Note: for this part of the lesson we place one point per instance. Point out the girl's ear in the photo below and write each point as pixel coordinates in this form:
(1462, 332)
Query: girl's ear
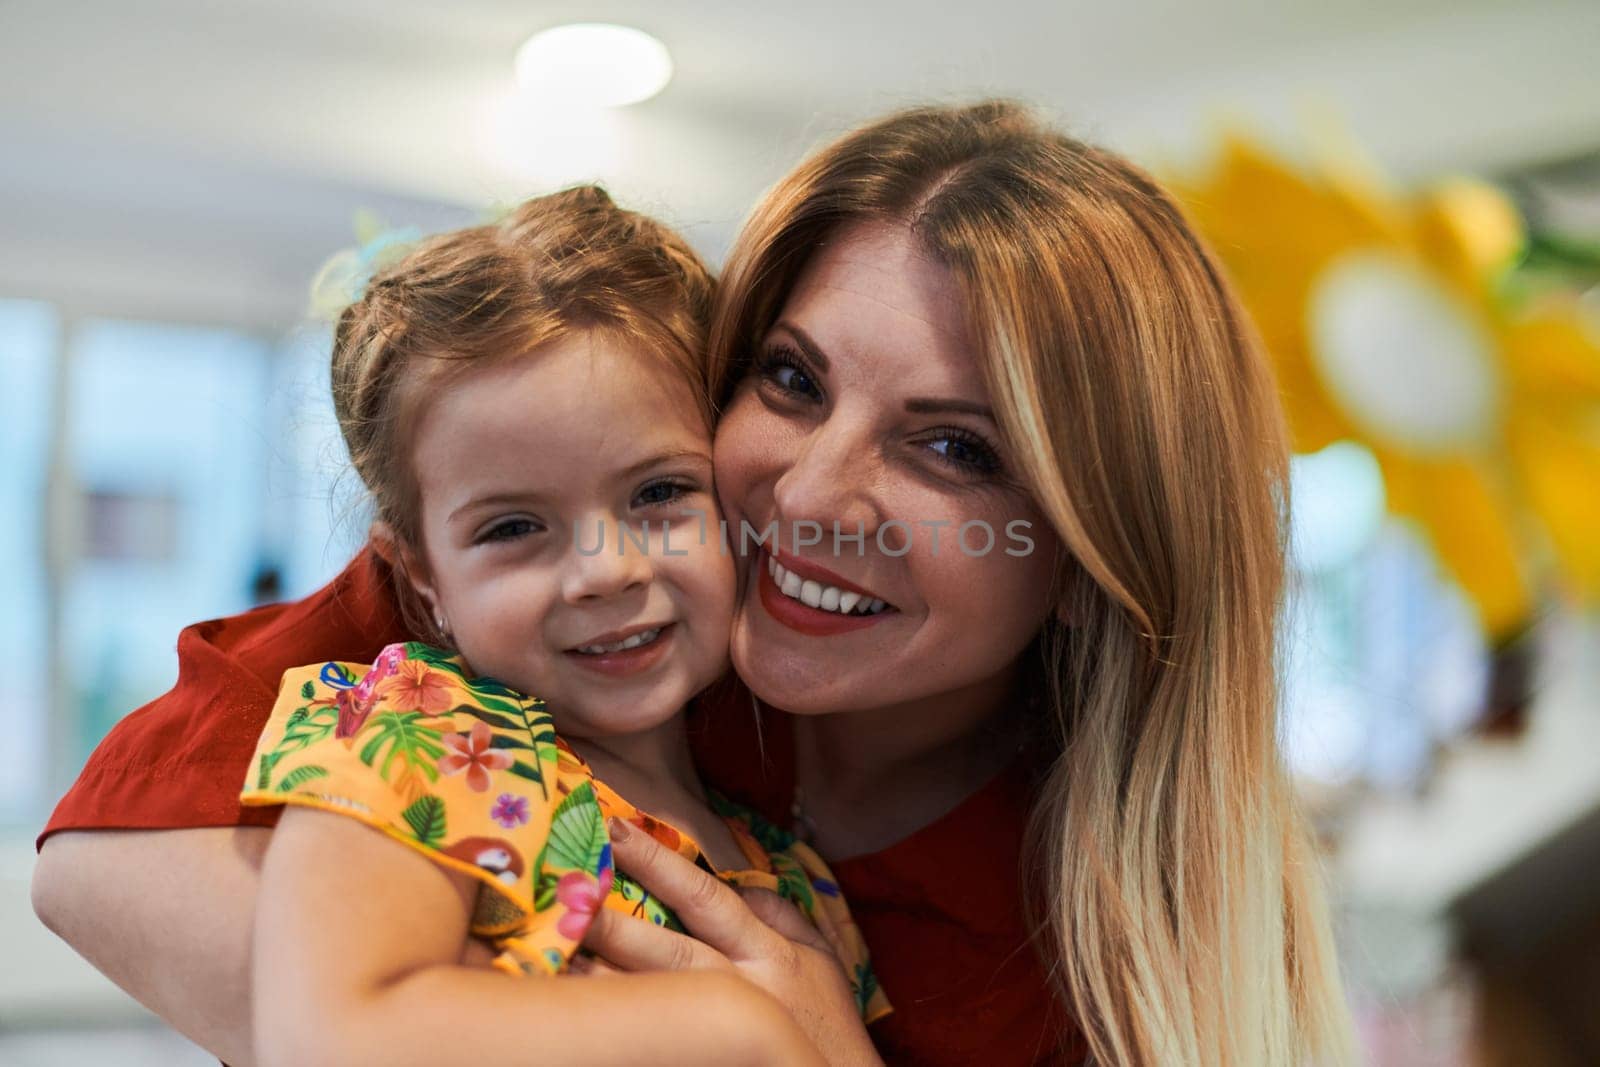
(410, 568)
(381, 537)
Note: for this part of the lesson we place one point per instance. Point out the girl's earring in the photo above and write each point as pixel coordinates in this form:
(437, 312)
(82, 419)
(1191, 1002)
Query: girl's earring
(442, 626)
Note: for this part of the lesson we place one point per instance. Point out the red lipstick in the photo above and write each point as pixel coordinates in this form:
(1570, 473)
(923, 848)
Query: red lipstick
(808, 620)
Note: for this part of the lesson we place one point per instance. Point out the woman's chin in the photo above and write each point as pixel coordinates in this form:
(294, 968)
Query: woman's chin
(795, 679)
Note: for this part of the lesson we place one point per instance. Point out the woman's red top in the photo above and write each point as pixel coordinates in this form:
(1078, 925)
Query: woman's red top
(941, 910)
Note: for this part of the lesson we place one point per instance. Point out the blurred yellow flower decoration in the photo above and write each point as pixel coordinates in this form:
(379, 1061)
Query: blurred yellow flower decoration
(1382, 317)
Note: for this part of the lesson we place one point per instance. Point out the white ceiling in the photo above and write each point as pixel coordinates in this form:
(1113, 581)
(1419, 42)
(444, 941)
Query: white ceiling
(194, 152)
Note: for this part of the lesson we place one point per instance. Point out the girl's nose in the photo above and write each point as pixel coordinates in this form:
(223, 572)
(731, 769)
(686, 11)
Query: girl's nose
(608, 558)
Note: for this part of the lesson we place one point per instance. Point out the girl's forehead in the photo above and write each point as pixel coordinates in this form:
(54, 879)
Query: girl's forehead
(573, 409)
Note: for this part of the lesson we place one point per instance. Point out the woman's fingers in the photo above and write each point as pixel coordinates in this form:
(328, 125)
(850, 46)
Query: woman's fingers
(783, 917)
(712, 911)
(627, 944)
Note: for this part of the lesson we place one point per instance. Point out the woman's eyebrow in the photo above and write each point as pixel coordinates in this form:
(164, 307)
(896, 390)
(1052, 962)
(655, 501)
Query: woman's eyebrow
(935, 406)
(807, 345)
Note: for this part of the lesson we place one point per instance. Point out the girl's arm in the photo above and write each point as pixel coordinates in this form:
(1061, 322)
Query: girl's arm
(355, 960)
(168, 916)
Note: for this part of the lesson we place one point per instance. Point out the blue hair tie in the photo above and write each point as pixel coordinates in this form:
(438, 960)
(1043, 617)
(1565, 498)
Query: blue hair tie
(343, 279)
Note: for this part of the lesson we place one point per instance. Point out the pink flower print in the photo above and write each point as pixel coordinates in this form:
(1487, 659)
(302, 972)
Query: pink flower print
(473, 753)
(415, 687)
(582, 895)
(510, 810)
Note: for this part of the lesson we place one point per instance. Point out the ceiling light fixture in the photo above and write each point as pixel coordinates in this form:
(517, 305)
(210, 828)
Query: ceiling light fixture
(593, 64)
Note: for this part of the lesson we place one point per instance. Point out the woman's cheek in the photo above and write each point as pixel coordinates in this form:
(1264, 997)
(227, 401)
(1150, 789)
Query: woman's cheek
(975, 577)
(742, 450)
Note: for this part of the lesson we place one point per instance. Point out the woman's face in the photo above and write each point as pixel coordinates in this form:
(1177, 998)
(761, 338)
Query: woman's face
(865, 412)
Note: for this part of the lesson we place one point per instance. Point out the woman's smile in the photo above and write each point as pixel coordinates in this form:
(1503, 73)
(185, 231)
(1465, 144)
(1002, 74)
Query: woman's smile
(806, 597)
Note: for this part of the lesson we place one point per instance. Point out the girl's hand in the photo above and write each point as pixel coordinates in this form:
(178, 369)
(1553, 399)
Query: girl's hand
(754, 933)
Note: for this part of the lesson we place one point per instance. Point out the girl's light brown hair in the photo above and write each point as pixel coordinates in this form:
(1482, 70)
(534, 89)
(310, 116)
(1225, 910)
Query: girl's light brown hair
(560, 264)
(1181, 899)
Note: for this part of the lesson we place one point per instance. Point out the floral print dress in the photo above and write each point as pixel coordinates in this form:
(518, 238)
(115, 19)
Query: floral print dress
(471, 774)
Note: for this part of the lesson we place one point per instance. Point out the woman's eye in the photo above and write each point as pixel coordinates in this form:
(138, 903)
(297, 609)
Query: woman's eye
(510, 530)
(658, 493)
(784, 370)
(794, 380)
(965, 451)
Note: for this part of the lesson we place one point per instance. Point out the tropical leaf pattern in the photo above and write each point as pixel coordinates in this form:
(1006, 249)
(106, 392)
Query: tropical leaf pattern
(472, 774)
(300, 775)
(578, 831)
(426, 819)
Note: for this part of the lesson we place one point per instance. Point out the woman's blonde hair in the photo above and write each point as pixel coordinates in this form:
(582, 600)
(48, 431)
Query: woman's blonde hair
(559, 264)
(1181, 893)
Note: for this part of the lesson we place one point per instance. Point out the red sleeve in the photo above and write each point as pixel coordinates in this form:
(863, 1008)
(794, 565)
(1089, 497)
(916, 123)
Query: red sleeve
(180, 760)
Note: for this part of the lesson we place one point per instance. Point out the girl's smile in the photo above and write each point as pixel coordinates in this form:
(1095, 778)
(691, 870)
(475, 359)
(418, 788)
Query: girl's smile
(632, 654)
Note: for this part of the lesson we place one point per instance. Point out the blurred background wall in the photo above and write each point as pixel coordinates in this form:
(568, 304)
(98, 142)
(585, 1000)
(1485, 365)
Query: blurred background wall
(172, 174)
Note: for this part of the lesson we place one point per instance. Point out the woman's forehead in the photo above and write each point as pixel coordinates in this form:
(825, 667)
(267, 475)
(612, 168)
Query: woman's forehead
(873, 299)
(884, 261)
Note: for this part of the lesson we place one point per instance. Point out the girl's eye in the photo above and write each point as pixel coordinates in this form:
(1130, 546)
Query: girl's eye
(783, 367)
(658, 493)
(509, 530)
(965, 451)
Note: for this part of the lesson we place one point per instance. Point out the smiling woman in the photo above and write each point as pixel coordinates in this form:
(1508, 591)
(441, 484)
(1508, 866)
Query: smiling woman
(971, 257)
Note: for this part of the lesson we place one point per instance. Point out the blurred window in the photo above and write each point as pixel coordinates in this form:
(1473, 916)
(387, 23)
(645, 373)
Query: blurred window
(154, 474)
(29, 337)
(166, 439)
(1383, 661)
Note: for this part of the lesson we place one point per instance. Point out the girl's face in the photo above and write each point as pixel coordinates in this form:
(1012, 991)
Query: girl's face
(866, 408)
(579, 440)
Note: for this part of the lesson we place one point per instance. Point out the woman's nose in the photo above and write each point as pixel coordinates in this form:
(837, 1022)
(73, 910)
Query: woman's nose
(828, 480)
(608, 558)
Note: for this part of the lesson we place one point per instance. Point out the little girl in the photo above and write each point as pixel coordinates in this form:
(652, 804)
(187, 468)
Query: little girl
(527, 403)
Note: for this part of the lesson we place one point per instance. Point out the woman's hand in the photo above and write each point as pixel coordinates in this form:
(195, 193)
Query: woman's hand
(754, 933)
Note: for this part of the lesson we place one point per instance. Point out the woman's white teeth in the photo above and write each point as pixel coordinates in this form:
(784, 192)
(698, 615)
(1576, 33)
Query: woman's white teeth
(641, 638)
(790, 584)
(824, 597)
